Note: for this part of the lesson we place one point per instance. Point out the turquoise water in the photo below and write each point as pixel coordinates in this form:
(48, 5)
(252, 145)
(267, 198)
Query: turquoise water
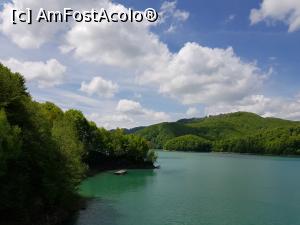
(197, 189)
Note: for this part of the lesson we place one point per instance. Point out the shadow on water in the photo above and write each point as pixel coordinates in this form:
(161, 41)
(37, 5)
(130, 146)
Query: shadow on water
(104, 191)
(98, 212)
(109, 185)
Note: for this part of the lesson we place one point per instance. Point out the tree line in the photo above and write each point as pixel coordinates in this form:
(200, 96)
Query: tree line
(240, 132)
(277, 141)
(190, 143)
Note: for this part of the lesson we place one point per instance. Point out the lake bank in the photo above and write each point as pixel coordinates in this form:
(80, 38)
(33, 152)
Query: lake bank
(237, 153)
(108, 166)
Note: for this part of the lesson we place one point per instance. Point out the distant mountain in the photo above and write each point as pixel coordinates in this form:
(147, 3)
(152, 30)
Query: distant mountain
(132, 130)
(212, 128)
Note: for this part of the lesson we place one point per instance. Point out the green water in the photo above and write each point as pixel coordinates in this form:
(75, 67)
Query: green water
(198, 189)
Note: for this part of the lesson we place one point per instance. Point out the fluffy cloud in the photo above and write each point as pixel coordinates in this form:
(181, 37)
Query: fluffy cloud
(112, 121)
(130, 45)
(171, 29)
(34, 35)
(172, 16)
(117, 44)
(198, 74)
(127, 45)
(129, 107)
(192, 111)
(287, 11)
(169, 10)
(46, 74)
(100, 87)
(262, 105)
(24, 35)
(129, 114)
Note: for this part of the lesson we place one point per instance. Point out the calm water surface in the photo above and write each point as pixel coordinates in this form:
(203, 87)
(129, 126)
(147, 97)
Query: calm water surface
(197, 189)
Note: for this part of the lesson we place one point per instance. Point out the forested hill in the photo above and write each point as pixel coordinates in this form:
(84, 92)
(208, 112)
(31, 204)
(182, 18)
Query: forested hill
(225, 130)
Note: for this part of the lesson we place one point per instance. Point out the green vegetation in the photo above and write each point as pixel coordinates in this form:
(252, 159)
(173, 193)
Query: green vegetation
(279, 141)
(45, 153)
(158, 134)
(234, 132)
(188, 143)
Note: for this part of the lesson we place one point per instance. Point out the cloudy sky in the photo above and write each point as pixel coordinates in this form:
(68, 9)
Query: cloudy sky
(202, 57)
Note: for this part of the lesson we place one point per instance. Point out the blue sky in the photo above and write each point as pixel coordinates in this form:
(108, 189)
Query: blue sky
(202, 57)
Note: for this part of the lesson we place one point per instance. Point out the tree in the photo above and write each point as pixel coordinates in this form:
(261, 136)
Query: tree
(188, 143)
(44, 154)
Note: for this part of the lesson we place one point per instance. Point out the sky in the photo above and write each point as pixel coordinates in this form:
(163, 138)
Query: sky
(200, 58)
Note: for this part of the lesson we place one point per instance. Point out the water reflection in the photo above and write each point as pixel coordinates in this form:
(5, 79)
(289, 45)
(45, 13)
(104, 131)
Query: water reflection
(99, 212)
(105, 189)
(109, 185)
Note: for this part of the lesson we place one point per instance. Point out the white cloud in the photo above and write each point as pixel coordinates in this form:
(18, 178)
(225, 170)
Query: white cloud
(130, 107)
(125, 45)
(169, 10)
(24, 35)
(130, 45)
(100, 87)
(168, 7)
(171, 29)
(46, 74)
(68, 99)
(192, 111)
(270, 11)
(230, 18)
(181, 15)
(198, 74)
(262, 105)
(172, 16)
(129, 114)
(38, 33)
(112, 121)
(195, 74)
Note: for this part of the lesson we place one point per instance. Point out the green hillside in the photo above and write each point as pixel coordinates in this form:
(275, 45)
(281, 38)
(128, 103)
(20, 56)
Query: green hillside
(214, 128)
(188, 143)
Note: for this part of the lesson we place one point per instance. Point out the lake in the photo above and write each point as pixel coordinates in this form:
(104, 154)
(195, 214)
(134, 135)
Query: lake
(197, 189)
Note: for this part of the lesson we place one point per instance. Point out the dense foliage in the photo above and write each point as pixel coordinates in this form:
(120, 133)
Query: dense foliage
(158, 134)
(234, 132)
(188, 143)
(280, 141)
(45, 153)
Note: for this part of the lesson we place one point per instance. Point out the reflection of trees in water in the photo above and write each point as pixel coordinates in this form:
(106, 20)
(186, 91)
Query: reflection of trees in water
(100, 210)
(109, 185)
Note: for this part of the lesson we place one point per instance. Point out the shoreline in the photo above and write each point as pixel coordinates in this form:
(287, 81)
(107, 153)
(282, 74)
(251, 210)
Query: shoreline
(235, 153)
(109, 167)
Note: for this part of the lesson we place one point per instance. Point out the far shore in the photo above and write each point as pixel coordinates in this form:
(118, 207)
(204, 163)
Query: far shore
(233, 153)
